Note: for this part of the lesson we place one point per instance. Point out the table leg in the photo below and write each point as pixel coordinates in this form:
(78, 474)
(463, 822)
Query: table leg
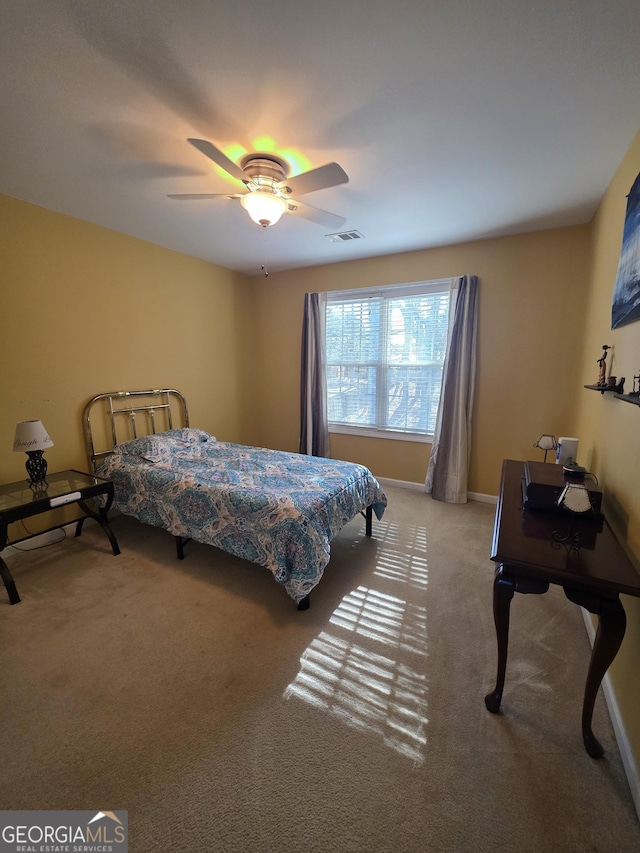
(503, 590)
(8, 581)
(612, 623)
(102, 521)
(504, 587)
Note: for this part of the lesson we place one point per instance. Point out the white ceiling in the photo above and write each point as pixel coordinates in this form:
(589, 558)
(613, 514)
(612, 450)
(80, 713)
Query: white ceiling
(455, 120)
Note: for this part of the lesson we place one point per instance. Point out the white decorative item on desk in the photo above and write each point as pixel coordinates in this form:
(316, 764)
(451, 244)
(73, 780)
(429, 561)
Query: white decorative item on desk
(567, 449)
(575, 498)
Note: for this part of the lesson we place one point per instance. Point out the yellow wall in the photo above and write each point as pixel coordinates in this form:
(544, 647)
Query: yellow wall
(532, 303)
(86, 310)
(609, 430)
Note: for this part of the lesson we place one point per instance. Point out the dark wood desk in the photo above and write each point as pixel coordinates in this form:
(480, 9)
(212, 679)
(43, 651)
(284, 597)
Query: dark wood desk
(593, 576)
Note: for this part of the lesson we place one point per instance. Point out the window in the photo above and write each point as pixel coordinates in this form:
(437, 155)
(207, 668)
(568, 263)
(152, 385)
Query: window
(385, 352)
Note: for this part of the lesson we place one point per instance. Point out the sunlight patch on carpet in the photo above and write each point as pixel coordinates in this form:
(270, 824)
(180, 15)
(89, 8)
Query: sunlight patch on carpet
(378, 691)
(384, 618)
(403, 556)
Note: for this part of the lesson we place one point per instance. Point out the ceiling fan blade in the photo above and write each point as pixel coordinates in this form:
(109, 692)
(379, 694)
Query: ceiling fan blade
(191, 196)
(314, 214)
(215, 154)
(330, 175)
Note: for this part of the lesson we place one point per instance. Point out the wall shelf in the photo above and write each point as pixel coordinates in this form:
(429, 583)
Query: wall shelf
(629, 398)
(618, 392)
(617, 389)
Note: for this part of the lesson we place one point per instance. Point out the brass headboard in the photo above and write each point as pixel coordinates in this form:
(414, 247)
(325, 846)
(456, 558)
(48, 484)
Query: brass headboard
(118, 416)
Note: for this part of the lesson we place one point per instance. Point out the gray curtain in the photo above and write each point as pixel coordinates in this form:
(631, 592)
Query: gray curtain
(450, 452)
(314, 429)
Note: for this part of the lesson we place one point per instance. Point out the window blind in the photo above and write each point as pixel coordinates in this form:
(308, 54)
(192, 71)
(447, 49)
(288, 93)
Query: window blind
(385, 354)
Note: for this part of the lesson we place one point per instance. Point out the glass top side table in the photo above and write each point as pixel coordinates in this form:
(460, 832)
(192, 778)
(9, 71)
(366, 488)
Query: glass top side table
(20, 500)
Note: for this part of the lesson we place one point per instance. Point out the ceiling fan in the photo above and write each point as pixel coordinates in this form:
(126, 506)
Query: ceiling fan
(270, 188)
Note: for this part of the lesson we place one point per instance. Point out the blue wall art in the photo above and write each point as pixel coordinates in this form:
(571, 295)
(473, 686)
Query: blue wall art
(626, 293)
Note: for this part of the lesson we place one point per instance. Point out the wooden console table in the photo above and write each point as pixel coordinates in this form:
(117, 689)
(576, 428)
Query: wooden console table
(593, 576)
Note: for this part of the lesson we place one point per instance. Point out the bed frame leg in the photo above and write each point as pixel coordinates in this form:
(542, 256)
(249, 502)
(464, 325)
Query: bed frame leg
(368, 519)
(180, 543)
(304, 604)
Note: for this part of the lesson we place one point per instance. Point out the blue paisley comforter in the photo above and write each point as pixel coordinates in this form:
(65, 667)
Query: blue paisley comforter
(278, 509)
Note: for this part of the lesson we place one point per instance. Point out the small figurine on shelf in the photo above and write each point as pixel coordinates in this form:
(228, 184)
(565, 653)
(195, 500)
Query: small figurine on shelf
(602, 361)
(636, 386)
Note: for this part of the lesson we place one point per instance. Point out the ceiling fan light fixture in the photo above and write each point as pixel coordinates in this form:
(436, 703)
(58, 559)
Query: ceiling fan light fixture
(264, 206)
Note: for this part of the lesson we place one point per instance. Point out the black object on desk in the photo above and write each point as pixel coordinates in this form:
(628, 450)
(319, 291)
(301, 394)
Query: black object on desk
(542, 486)
(20, 500)
(529, 557)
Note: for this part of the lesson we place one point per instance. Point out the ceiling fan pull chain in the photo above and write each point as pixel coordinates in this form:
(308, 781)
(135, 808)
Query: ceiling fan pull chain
(264, 267)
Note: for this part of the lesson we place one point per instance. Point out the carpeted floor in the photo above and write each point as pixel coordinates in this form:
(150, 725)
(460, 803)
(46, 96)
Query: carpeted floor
(194, 695)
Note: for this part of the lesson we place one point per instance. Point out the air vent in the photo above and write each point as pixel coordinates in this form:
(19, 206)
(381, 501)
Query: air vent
(345, 236)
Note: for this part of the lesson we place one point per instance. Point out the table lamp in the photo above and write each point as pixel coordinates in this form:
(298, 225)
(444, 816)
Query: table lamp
(546, 442)
(32, 438)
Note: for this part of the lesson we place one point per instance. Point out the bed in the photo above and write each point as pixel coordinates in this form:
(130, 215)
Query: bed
(278, 509)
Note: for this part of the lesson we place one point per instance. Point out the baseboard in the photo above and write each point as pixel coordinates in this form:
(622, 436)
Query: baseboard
(41, 540)
(485, 499)
(402, 484)
(626, 753)
(419, 487)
